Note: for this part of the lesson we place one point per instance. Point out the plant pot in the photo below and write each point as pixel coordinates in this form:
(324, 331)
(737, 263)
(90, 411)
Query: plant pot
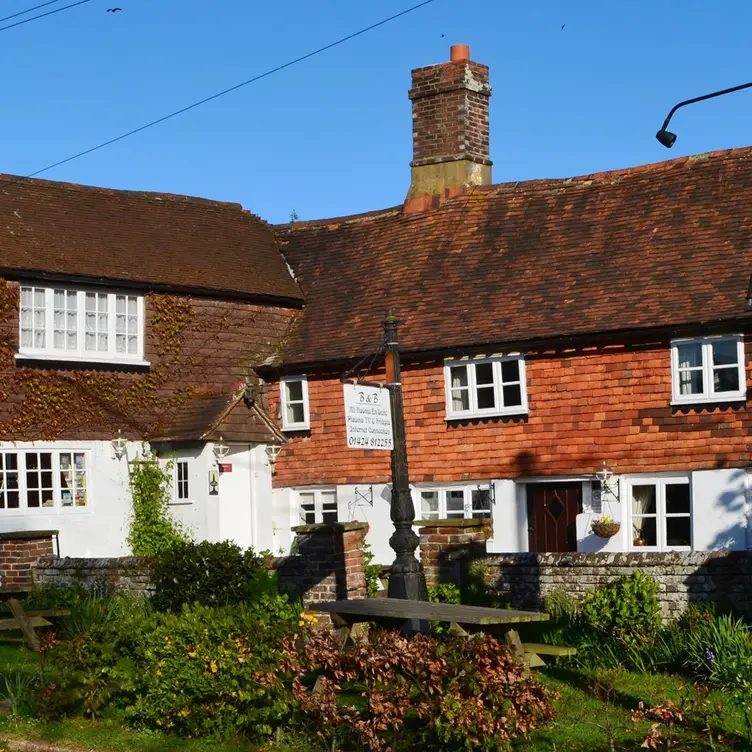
(605, 529)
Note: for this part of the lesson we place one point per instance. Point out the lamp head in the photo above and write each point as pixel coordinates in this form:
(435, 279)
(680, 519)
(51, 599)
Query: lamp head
(666, 138)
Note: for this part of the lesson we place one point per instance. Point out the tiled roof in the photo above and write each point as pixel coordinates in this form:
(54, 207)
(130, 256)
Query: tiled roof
(209, 417)
(660, 245)
(160, 240)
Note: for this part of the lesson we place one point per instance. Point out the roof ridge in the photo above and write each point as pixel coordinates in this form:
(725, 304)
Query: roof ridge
(533, 184)
(13, 180)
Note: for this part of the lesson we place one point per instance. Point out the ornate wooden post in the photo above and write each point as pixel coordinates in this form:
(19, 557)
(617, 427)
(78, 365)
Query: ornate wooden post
(407, 579)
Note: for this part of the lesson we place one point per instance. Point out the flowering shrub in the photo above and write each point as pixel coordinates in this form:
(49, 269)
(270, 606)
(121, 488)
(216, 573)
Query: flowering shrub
(201, 672)
(452, 693)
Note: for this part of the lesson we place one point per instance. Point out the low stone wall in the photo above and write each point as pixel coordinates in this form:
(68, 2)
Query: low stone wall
(724, 577)
(128, 574)
(328, 566)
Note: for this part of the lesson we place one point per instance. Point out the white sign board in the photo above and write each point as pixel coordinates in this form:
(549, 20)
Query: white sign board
(368, 415)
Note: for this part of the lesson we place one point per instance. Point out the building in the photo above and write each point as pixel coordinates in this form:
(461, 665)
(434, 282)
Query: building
(127, 318)
(549, 327)
(571, 348)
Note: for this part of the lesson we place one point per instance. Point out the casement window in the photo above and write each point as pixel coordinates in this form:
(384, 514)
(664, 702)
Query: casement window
(708, 369)
(180, 487)
(81, 325)
(317, 506)
(294, 403)
(469, 502)
(39, 480)
(661, 514)
(492, 386)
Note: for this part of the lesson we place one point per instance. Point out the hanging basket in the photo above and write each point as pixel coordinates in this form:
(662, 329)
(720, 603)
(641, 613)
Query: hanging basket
(605, 529)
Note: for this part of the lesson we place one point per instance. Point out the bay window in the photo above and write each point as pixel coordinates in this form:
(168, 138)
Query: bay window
(317, 506)
(469, 502)
(84, 325)
(708, 369)
(294, 403)
(38, 480)
(485, 387)
(661, 514)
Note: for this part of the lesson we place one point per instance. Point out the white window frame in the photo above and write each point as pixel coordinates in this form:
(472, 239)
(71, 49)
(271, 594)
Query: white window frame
(305, 424)
(708, 394)
(318, 509)
(80, 353)
(442, 491)
(660, 482)
(176, 497)
(474, 411)
(57, 488)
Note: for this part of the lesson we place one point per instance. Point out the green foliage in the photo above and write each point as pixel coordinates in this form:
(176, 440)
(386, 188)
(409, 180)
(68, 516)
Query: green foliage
(200, 672)
(475, 591)
(444, 592)
(22, 691)
(373, 571)
(423, 692)
(626, 609)
(213, 574)
(560, 605)
(152, 528)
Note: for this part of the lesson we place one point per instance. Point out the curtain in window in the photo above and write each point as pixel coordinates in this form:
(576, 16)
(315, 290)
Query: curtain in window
(642, 496)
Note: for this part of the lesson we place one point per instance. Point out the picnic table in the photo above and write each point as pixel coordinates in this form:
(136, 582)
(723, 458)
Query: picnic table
(405, 615)
(26, 621)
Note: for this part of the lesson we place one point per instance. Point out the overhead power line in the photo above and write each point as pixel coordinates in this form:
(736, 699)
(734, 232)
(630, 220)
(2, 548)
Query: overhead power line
(222, 93)
(41, 15)
(29, 10)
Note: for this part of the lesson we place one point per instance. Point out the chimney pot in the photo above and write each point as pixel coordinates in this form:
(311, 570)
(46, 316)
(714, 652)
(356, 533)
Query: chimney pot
(460, 52)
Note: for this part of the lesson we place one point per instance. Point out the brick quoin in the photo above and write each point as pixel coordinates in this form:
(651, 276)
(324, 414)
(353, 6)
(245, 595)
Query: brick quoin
(607, 403)
(18, 555)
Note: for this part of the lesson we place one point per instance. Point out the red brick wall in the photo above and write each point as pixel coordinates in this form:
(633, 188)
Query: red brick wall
(193, 345)
(608, 404)
(18, 554)
(450, 120)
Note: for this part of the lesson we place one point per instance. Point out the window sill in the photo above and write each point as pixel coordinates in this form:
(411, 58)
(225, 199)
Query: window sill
(77, 359)
(296, 428)
(709, 400)
(179, 503)
(516, 413)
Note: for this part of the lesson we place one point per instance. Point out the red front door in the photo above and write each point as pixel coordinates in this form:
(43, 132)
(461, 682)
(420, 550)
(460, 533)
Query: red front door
(552, 510)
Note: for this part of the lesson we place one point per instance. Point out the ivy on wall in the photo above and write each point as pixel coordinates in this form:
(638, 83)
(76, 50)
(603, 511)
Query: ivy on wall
(42, 404)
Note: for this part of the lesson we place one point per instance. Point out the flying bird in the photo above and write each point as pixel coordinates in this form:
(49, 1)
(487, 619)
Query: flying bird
(113, 10)
(562, 27)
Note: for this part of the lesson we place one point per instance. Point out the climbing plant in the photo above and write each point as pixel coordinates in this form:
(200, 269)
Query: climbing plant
(152, 527)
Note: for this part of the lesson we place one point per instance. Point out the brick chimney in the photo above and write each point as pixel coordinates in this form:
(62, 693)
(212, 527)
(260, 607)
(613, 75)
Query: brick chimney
(450, 125)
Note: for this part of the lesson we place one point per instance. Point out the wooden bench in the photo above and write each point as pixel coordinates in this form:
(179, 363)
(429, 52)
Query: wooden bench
(416, 616)
(24, 621)
(534, 650)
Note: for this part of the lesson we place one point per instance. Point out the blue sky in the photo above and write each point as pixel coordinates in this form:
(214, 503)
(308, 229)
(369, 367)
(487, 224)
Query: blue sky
(332, 135)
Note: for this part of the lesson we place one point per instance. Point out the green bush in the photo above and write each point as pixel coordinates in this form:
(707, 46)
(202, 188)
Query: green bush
(626, 609)
(213, 574)
(560, 605)
(200, 672)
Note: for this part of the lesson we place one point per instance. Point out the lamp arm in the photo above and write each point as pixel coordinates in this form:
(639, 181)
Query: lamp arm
(702, 99)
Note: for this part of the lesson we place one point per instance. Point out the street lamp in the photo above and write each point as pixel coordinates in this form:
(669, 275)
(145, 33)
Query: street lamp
(666, 138)
(407, 579)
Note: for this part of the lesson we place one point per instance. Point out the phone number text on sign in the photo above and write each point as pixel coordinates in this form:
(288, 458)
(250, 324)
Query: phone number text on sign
(368, 417)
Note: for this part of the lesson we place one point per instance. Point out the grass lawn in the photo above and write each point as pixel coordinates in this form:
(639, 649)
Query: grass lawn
(572, 730)
(578, 710)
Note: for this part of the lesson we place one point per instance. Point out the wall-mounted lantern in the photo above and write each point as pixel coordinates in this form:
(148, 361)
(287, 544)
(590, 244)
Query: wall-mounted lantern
(119, 446)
